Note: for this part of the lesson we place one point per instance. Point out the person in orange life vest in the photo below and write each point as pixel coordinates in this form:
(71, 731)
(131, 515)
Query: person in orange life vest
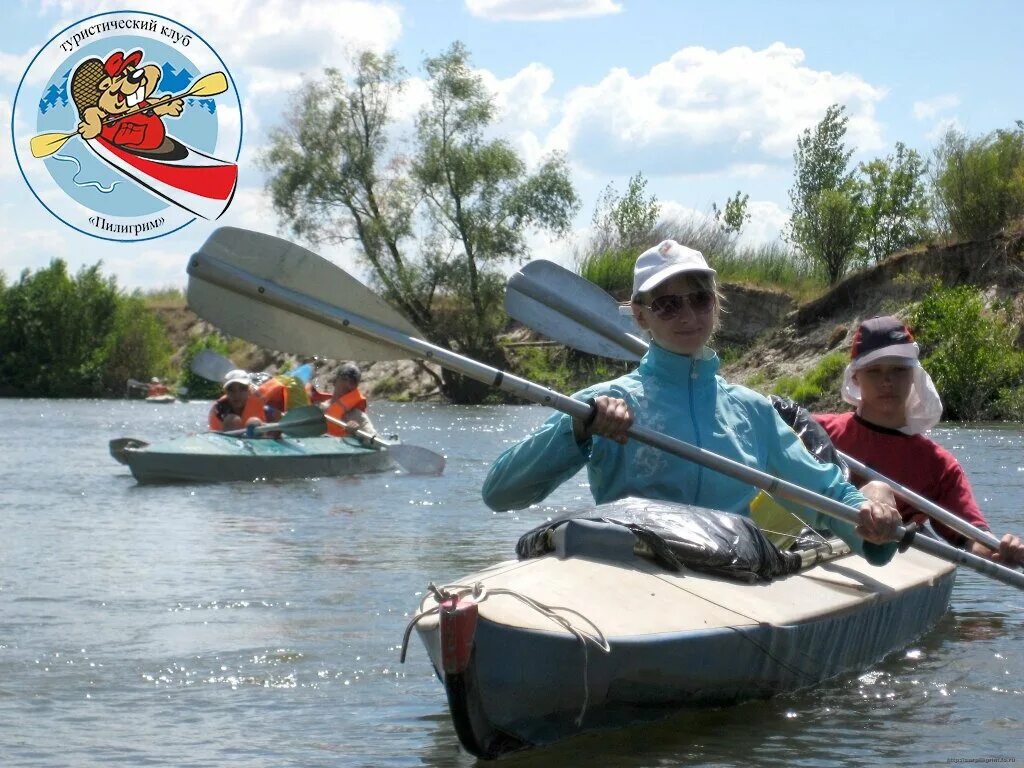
(156, 388)
(281, 393)
(347, 403)
(896, 403)
(125, 87)
(239, 407)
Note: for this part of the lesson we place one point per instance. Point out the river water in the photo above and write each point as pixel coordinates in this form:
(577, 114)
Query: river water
(259, 624)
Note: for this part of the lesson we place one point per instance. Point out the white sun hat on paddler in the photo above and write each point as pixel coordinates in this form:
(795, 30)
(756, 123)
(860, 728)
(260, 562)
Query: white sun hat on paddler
(665, 260)
(887, 340)
(236, 376)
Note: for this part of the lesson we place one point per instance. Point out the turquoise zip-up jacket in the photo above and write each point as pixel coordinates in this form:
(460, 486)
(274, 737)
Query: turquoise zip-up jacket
(682, 397)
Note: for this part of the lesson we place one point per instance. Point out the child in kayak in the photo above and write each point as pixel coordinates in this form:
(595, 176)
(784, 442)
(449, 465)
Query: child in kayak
(896, 404)
(676, 391)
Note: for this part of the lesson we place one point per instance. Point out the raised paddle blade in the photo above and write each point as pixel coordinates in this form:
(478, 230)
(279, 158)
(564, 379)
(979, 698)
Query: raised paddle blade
(208, 85)
(211, 366)
(45, 144)
(121, 445)
(291, 267)
(570, 309)
(303, 373)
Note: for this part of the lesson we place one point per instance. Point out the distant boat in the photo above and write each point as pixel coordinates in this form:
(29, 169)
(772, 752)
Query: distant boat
(176, 172)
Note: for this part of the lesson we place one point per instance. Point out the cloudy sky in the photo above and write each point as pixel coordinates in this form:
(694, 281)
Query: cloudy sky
(703, 98)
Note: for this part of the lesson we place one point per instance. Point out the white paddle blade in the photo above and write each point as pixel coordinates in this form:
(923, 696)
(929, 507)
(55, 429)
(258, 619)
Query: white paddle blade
(570, 309)
(417, 460)
(211, 365)
(293, 267)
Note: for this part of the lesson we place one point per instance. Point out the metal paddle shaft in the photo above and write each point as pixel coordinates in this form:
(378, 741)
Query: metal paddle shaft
(547, 297)
(217, 272)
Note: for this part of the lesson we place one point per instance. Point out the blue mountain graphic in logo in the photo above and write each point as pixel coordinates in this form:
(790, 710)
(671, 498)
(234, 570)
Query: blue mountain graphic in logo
(56, 94)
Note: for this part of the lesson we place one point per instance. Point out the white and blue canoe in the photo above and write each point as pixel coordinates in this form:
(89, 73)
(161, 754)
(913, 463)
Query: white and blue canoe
(596, 634)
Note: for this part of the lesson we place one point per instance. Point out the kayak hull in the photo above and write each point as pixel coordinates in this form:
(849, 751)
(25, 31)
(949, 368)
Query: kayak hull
(676, 640)
(161, 399)
(215, 458)
(180, 174)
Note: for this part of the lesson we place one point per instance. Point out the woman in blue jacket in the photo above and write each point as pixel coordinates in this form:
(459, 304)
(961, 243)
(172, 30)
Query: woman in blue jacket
(676, 391)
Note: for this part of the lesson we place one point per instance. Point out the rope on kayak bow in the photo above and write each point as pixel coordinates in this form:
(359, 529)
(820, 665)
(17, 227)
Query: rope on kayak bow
(478, 592)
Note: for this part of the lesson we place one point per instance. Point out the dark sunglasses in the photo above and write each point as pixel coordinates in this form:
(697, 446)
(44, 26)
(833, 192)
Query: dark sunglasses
(667, 307)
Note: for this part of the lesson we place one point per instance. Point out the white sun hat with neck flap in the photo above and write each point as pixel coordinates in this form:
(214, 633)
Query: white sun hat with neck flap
(887, 340)
(665, 260)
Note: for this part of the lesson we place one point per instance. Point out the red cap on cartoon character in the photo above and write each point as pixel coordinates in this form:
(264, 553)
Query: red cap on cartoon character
(117, 61)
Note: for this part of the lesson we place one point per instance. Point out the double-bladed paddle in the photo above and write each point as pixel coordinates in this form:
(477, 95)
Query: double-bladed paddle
(307, 421)
(570, 309)
(277, 294)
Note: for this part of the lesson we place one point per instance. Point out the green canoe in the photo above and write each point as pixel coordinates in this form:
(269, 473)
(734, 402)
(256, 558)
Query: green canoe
(215, 458)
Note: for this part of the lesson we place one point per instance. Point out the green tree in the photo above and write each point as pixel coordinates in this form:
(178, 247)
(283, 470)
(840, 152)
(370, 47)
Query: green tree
(137, 346)
(895, 202)
(732, 218)
(823, 185)
(60, 335)
(433, 224)
(831, 231)
(626, 221)
(968, 349)
(979, 183)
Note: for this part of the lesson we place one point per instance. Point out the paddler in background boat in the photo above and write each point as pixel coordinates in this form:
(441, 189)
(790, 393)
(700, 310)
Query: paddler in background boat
(675, 390)
(896, 403)
(239, 407)
(156, 388)
(283, 392)
(124, 86)
(347, 403)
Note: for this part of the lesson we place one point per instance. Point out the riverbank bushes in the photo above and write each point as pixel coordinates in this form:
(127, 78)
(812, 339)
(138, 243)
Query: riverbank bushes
(64, 335)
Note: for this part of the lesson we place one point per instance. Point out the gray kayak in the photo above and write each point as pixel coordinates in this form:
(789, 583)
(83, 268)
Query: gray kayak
(213, 458)
(595, 636)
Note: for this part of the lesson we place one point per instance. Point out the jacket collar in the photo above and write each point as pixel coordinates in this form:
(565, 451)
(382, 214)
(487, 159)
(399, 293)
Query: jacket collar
(661, 363)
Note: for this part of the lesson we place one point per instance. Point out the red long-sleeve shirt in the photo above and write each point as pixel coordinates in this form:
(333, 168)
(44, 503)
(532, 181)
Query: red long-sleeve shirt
(914, 461)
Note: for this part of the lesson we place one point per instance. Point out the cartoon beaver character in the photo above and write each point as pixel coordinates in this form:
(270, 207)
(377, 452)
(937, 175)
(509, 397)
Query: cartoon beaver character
(102, 90)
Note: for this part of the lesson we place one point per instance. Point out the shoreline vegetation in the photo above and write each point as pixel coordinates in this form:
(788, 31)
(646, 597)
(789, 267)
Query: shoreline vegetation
(937, 241)
(965, 300)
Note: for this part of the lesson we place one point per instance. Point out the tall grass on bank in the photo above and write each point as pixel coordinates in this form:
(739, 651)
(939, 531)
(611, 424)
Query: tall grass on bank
(770, 265)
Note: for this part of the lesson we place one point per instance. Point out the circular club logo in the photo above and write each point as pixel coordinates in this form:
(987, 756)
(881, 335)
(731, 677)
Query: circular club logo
(127, 126)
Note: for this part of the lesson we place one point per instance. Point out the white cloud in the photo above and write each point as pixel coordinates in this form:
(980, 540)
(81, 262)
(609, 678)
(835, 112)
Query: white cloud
(703, 111)
(766, 224)
(7, 164)
(942, 127)
(540, 10)
(272, 41)
(930, 108)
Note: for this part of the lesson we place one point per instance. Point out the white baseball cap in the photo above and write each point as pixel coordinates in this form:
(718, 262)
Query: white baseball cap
(667, 259)
(237, 376)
